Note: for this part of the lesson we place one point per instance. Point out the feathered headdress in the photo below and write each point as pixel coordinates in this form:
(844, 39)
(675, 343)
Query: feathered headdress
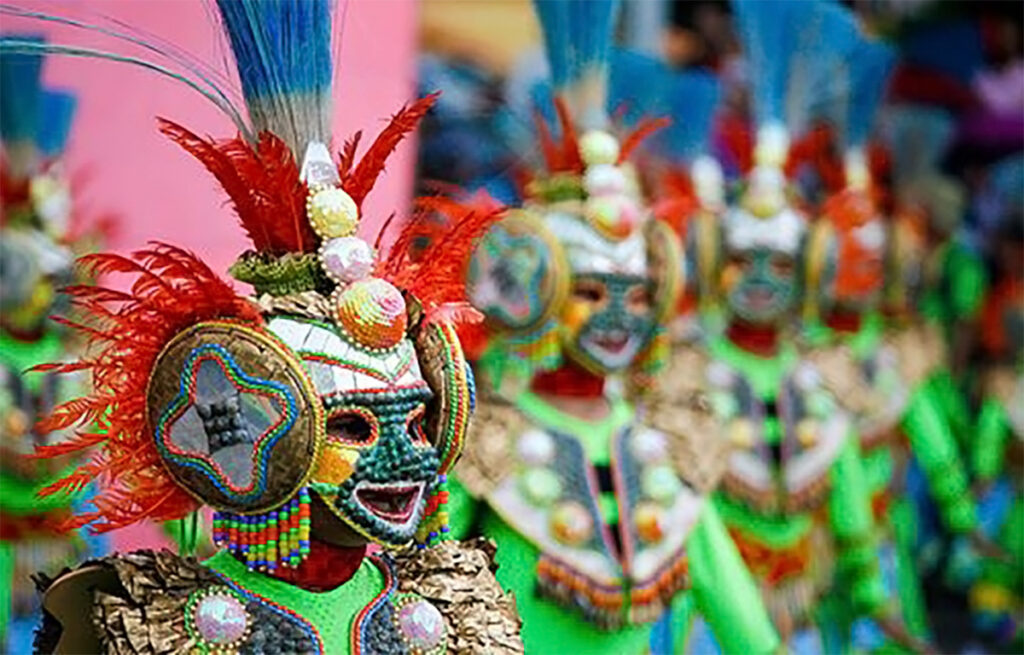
(584, 211)
(849, 216)
(795, 53)
(300, 208)
(870, 65)
(34, 126)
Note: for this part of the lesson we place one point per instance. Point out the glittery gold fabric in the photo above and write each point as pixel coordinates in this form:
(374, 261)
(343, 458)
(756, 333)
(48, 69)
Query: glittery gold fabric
(920, 349)
(145, 616)
(458, 579)
(485, 458)
(678, 408)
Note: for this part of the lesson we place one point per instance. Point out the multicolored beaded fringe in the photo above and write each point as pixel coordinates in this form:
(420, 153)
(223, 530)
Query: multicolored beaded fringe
(277, 538)
(651, 361)
(434, 526)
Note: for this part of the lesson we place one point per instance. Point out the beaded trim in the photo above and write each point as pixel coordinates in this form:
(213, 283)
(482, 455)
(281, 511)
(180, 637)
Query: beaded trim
(434, 526)
(599, 603)
(307, 627)
(263, 444)
(205, 646)
(279, 537)
(454, 434)
(333, 360)
(359, 635)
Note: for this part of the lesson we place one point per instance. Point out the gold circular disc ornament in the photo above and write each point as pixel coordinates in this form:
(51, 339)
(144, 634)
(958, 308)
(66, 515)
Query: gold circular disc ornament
(235, 417)
(449, 376)
(518, 274)
(664, 259)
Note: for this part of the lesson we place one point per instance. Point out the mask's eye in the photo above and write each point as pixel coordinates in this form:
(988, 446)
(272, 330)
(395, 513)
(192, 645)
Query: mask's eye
(352, 425)
(590, 291)
(782, 266)
(638, 299)
(742, 261)
(414, 425)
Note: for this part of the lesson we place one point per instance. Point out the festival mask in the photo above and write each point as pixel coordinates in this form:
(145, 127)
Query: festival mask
(34, 268)
(759, 281)
(609, 316)
(593, 270)
(377, 466)
(347, 398)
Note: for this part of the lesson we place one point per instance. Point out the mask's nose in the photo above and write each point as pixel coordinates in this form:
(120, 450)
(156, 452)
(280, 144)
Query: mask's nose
(398, 455)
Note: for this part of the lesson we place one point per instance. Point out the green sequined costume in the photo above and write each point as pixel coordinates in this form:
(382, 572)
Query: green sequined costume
(536, 473)
(998, 463)
(795, 495)
(882, 380)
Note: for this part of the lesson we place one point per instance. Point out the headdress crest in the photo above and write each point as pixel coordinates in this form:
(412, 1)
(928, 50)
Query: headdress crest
(162, 349)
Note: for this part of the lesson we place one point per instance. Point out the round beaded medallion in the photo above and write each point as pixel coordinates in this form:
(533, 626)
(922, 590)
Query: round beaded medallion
(571, 523)
(217, 618)
(420, 625)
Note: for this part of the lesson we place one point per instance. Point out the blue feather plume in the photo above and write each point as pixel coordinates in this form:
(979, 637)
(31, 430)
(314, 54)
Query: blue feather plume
(57, 110)
(20, 90)
(796, 52)
(283, 53)
(766, 33)
(554, 23)
(641, 86)
(636, 86)
(577, 38)
(819, 84)
(693, 99)
(870, 65)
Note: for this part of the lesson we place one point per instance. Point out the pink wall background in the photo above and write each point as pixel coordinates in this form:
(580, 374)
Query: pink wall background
(156, 190)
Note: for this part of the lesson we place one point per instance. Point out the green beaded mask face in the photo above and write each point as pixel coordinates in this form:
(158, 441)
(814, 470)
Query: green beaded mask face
(760, 285)
(377, 466)
(608, 320)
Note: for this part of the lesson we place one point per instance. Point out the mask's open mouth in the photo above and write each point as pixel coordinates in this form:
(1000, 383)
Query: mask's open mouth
(613, 343)
(395, 503)
(760, 299)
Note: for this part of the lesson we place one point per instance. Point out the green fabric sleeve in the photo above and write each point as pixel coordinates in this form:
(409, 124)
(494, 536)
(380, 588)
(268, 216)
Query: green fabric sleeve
(462, 509)
(724, 592)
(852, 524)
(952, 401)
(6, 586)
(989, 446)
(968, 283)
(934, 447)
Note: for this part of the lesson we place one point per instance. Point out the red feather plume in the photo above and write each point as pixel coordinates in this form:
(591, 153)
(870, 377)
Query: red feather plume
(436, 273)
(263, 183)
(644, 129)
(126, 332)
(359, 181)
(676, 202)
(571, 160)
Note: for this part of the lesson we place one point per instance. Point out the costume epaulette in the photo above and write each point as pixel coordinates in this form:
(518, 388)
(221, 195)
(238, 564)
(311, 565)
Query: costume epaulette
(679, 408)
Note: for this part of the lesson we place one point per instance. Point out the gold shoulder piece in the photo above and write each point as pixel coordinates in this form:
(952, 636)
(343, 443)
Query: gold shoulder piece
(920, 349)
(131, 604)
(843, 378)
(1001, 382)
(678, 408)
(485, 456)
(457, 577)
